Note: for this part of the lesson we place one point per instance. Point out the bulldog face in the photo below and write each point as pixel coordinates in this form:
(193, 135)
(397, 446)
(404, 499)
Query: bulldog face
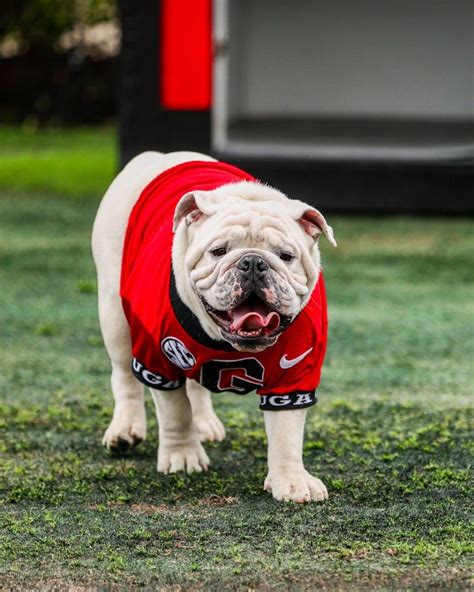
(246, 260)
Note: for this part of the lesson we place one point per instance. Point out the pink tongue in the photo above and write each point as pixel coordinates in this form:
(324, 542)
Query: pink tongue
(251, 320)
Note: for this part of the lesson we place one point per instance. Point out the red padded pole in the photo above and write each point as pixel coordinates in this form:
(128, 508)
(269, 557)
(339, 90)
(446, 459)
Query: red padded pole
(186, 54)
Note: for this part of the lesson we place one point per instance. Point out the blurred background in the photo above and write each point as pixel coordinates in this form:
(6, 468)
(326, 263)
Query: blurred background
(59, 62)
(358, 106)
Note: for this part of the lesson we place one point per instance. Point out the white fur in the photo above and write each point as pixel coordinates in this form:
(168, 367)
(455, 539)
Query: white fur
(185, 415)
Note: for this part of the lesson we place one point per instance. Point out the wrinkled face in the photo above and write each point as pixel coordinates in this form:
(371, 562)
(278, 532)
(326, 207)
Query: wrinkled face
(252, 264)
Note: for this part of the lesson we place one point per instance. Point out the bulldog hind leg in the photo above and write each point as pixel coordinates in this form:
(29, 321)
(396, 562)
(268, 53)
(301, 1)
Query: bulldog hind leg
(128, 426)
(210, 427)
(179, 448)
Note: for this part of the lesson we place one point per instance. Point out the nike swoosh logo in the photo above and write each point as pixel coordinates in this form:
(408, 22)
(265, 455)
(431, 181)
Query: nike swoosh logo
(286, 363)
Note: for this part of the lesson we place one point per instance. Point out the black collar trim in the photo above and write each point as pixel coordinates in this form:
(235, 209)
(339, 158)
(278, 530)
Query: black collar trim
(190, 323)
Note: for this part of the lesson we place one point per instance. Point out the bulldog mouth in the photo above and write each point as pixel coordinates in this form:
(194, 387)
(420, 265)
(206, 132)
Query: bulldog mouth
(252, 318)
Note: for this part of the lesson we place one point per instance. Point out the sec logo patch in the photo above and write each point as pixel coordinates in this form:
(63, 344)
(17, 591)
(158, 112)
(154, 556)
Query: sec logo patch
(177, 353)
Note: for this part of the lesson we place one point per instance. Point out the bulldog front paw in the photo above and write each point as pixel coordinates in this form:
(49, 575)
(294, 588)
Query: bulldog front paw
(124, 433)
(183, 457)
(295, 486)
(210, 427)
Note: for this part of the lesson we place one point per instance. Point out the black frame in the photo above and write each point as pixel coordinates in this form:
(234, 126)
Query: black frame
(144, 124)
(344, 186)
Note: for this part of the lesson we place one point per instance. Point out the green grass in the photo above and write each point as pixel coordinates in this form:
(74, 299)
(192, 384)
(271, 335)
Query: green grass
(73, 163)
(390, 436)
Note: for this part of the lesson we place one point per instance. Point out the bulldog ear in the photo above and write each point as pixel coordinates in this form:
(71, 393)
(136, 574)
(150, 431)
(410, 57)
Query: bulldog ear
(313, 223)
(187, 209)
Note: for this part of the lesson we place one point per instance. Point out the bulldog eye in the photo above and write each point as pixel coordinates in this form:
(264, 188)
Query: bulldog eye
(219, 252)
(287, 257)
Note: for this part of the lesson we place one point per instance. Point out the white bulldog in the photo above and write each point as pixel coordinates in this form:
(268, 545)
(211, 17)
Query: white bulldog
(241, 308)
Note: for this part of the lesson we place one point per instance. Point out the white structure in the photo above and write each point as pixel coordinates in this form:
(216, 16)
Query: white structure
(370, 80)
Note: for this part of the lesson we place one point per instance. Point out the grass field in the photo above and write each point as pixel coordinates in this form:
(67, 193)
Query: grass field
(73, 162)
(390, 437)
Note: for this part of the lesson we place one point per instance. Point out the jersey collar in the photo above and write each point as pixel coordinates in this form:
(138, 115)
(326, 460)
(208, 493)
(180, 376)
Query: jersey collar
(190, 323)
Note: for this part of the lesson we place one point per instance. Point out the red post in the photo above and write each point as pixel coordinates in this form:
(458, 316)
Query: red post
(186, 54)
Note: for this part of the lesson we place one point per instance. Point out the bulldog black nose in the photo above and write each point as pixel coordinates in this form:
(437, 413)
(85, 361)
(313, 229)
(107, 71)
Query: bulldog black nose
(252, 265)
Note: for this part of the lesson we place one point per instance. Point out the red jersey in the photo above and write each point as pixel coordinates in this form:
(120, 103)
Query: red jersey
(168, 342)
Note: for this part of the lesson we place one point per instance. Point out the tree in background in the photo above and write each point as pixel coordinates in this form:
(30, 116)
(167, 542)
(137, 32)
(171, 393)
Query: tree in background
(39, 24)
(58, 61)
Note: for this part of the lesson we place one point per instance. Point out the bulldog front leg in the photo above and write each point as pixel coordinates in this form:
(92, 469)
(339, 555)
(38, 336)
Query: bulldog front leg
(179, 448)
(287, 478)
